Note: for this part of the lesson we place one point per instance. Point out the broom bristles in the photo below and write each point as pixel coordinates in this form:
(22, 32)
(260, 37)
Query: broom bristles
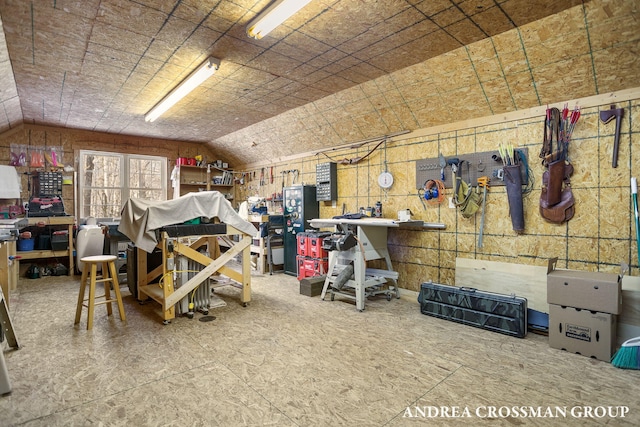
(627, 358)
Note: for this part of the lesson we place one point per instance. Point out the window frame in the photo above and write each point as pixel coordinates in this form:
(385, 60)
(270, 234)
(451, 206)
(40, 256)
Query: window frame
(125, 188)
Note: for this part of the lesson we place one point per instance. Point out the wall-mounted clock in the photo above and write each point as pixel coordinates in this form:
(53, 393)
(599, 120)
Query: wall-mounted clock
(385, 180)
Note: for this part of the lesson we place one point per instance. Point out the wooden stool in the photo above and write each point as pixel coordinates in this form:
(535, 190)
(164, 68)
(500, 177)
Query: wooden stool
(109, 276)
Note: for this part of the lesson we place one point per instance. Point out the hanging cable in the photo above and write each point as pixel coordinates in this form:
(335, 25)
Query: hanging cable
(434, 192)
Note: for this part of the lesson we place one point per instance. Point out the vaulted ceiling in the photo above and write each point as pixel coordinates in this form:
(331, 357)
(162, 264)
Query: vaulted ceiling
(336, 72)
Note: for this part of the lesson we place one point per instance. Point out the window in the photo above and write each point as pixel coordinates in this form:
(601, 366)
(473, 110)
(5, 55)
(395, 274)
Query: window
(108, 180)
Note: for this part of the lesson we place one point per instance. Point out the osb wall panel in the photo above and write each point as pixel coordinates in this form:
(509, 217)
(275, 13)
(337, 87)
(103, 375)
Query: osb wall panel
(599, 237)
(74, 140)
(568, 55)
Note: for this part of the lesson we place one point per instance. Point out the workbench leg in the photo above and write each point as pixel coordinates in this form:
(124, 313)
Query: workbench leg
(167, 280)
(359, 270)
(245, 296)
(141, 272)
(214, 247)
(72, 267)
(8, 268)
(387, 258)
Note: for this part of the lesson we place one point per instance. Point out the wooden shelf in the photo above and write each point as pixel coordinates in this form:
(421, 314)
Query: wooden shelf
(260, 249)
(52, 220)
(196, 178)
(154, 291)
(35, 254)
(192, 178)
(69, 221)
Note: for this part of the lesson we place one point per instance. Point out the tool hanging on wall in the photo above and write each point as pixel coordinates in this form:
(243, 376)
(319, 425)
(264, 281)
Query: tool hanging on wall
(556, 199)
(483, 182)
(628, 355)
(465, 197)
(634, 198)
(606, 117)
(443, 164)
(295, 173)
(513, 181)
(433, 192)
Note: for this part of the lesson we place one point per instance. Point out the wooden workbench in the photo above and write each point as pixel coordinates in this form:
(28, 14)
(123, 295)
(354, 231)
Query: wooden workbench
(69, 221)
(166, 294)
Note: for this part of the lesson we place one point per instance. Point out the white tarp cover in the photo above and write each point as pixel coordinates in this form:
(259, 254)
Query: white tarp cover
(140, 217)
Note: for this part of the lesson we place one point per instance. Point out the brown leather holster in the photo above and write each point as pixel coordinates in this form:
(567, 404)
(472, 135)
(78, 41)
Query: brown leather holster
(556, 200)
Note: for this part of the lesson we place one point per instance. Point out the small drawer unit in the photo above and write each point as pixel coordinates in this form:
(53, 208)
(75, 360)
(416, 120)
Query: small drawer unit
(326, 181)
(47, 184)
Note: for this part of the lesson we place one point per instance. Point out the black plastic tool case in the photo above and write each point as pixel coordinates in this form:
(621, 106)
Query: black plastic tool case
(501, 313)
(46, 206)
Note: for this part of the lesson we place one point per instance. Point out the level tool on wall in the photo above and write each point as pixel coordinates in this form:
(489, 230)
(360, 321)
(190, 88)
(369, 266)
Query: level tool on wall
(470, 168)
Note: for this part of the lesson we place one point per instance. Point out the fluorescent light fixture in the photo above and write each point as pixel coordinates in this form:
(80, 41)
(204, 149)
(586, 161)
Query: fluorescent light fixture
(278, 12)
(195, 79)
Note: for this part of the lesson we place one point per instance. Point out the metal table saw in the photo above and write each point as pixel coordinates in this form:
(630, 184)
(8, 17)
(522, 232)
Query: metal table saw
(371, 244)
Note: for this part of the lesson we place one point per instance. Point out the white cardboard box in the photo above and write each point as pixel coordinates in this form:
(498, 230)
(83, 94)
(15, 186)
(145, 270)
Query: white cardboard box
(584, 289)
(585, 332)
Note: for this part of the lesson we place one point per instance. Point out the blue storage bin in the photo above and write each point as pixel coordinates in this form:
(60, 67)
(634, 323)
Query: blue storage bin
(26, 244)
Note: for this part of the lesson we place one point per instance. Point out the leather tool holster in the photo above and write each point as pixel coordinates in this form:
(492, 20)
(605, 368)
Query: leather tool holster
(556, 199)
(513, 182)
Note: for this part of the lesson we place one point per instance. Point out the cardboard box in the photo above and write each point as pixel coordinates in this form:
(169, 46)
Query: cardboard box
(589, 333)
(595, 291)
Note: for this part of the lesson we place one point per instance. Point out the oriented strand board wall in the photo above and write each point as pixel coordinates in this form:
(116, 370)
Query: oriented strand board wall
(598, 238)
(571, 55)
(589, 49)
(72, 141)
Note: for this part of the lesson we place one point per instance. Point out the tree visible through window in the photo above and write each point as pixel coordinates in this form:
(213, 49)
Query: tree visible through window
(108, 180)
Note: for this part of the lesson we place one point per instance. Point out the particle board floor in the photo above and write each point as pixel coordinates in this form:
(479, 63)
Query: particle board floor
(288, 360)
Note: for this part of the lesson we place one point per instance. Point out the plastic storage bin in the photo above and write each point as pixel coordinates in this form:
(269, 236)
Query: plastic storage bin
(26, 244)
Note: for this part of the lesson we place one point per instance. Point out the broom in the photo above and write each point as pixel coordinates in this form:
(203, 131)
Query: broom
(628, 357)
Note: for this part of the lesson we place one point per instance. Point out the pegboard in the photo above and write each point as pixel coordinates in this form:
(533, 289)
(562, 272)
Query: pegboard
(474, 165)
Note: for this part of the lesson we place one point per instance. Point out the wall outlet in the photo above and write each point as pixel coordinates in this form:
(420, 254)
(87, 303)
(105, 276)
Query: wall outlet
(451, 204)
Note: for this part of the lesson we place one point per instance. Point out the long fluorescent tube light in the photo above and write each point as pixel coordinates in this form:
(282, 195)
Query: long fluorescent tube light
(195, 79)
(274, 15)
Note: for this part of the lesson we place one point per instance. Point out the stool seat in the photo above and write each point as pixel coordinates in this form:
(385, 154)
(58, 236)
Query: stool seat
(90, 277)
(99, 258)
